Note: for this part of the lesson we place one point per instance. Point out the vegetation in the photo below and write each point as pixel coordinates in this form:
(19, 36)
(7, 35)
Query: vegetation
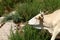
(25, 10)
(30, 33)
(7, 6)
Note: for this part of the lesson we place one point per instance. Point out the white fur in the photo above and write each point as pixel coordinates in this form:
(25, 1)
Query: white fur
(51, 21)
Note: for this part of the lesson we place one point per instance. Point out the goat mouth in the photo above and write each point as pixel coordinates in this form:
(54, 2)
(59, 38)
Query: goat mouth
(36, 26)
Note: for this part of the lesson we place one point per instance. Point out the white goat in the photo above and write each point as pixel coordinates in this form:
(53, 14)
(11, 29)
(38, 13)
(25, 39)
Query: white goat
(51, 22)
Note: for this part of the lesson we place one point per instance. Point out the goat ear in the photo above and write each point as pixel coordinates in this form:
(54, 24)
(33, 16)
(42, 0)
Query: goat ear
(46, 12)
(41, 12)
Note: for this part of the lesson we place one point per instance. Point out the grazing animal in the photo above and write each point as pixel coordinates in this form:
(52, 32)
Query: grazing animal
(51, 22)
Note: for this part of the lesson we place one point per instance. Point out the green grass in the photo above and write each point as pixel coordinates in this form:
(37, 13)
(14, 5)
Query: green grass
(7, 6)
(29, 8)
(30, 33)
(15, 36)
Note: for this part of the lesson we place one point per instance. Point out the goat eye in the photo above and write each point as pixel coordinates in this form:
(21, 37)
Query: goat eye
(39, 17)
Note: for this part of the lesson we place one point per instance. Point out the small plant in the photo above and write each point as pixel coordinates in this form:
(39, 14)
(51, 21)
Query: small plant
(15, 36)
(30, 33)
